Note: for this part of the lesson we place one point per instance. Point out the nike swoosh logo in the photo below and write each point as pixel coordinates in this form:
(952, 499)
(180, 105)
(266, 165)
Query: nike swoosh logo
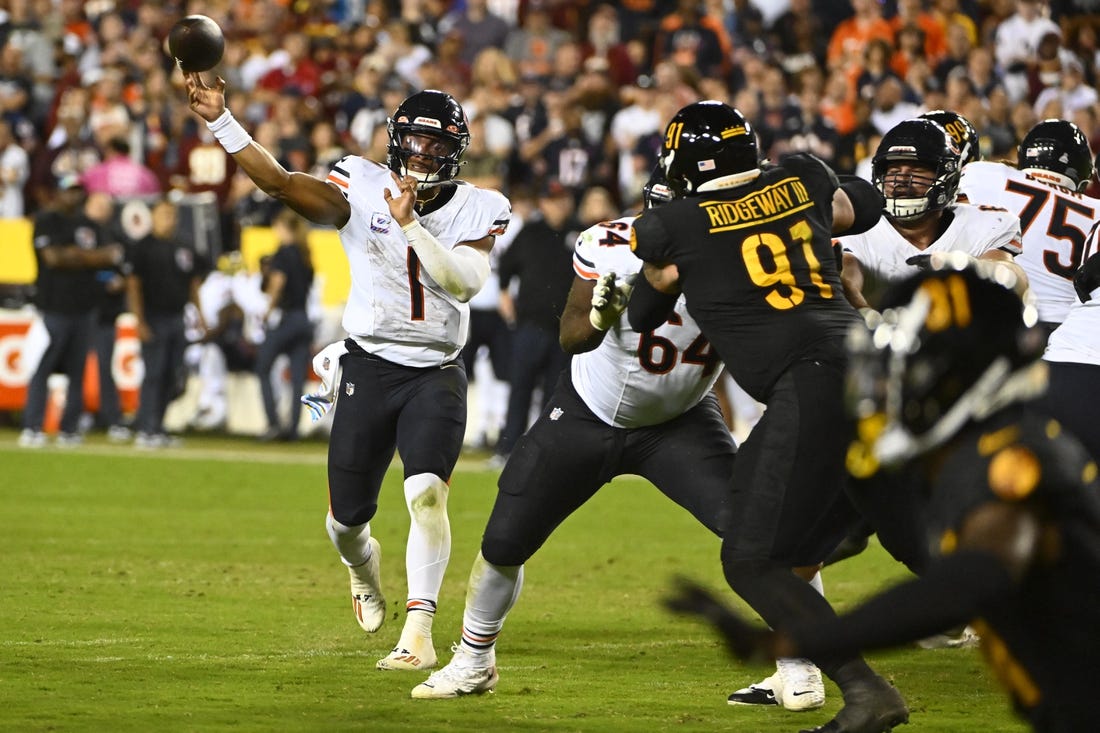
(803, 692)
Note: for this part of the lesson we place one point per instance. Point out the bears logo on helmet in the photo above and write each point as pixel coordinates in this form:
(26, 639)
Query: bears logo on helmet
(922, 143)
(656, 190)
(436, 115)
(1058, 147)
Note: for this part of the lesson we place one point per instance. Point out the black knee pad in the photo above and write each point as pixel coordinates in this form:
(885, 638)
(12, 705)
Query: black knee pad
(354, 515)
(503, 552)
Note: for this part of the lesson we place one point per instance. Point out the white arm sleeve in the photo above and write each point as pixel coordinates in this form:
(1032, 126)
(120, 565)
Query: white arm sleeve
(460, 271)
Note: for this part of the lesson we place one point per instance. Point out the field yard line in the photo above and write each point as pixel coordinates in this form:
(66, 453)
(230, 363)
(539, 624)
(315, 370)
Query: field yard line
(300, 654)
(228, 455)
(183, 454)
(73, 643)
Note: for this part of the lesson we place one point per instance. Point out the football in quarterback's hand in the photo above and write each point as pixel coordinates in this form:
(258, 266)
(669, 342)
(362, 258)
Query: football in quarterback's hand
(196, 43)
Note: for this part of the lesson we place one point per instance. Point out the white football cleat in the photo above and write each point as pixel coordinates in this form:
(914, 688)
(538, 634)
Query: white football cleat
(366, 591)
(414, 652)
(796, 685)
(119, 434)
(467, 674)
(803, 688)
(69, 440)
(32, 439)
(954, 639)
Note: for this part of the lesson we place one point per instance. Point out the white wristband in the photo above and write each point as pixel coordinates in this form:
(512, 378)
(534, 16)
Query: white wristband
(229, 133)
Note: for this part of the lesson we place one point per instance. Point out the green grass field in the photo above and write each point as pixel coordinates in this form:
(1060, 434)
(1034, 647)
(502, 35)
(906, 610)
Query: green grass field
(196, 590)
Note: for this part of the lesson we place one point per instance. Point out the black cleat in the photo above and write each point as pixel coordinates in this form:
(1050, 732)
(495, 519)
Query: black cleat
(758, 694)
(870, 706)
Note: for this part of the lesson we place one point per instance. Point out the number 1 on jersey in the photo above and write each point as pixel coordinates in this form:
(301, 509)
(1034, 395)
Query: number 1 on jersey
(416, 288)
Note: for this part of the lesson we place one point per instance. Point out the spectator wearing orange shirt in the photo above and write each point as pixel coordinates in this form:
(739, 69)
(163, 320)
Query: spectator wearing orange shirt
(852, 35)
(838, 103)
(910, 53)
(949, 12)
(913, 13)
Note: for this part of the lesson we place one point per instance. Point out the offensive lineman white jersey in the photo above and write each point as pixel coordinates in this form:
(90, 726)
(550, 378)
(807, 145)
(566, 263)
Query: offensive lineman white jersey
(395, 309)
(635, 380)
(882, 250)
(1077, 339)
(1054, 221)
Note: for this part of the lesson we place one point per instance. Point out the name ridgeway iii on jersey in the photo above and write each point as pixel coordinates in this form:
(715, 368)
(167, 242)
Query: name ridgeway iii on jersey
(785, 197)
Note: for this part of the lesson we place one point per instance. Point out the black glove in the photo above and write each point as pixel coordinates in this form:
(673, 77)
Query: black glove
(744, 641)
(1087, 278)
(924, 262)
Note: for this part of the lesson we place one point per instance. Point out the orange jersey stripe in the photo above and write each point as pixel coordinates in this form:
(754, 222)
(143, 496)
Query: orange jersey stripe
(586, 274)
(337, 181)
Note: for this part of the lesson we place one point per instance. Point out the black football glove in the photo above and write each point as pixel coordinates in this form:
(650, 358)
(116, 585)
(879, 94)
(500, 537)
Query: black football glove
(744, 641)
(1087, 278)
(923, 262)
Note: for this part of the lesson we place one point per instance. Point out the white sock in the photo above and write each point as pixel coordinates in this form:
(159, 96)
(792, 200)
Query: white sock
(817, 584)
(499, 395)
(490, 595)
(351, 542)
(418, 624)
(429, 547)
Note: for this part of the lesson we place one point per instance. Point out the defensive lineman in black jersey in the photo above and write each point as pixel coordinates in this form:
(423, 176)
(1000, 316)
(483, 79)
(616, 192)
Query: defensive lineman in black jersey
(750, 247)
(942, 391)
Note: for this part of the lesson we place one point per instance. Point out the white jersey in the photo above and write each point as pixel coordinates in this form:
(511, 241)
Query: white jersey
(883, 250)
(488, 298)
(635, 380)
(1054, 220)
(395, 309)
(1077, 339)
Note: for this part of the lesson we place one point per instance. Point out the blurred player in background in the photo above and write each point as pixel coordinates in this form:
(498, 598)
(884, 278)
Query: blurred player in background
(289, 329)
(1073, 355)
(418, 244)
(948, 381)
(233, 304)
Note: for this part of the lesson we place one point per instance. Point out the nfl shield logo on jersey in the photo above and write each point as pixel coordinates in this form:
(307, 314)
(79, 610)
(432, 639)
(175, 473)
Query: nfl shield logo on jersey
(349, 389)
(556, 413)
(379, 222)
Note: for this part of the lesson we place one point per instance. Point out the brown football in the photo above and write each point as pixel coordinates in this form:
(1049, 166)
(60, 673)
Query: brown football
(196, 43)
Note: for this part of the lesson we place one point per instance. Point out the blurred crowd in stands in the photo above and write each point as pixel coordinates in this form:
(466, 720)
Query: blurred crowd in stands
(574, 90)
(561, 94)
